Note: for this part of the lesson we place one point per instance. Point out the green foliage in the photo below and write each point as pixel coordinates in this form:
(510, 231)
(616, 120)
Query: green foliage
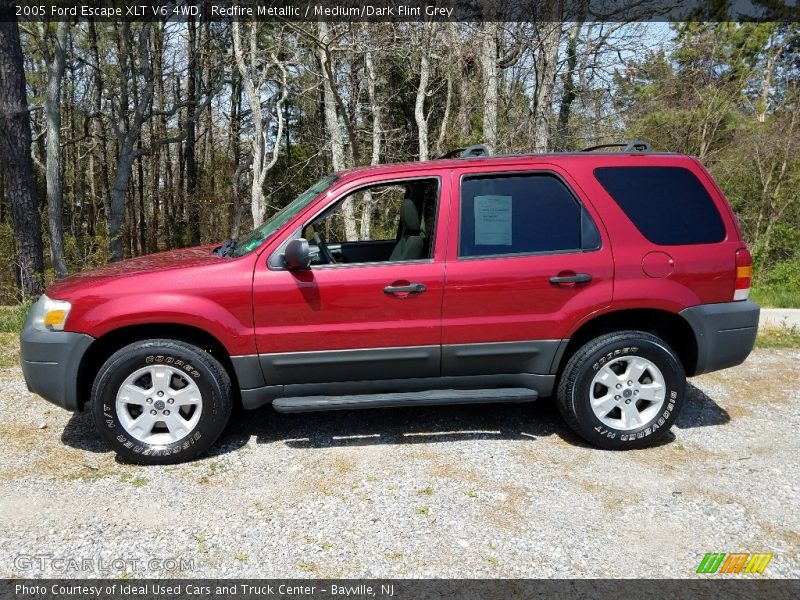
(779, 337)
(728, 94)
(12, 318)
(780, 286)
(775, 297)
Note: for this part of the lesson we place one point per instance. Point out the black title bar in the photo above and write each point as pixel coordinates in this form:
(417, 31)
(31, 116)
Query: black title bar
(395, 589)
(403, 10)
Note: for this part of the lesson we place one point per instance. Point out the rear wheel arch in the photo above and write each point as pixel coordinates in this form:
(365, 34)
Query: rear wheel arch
(106, 345)
(670, 327)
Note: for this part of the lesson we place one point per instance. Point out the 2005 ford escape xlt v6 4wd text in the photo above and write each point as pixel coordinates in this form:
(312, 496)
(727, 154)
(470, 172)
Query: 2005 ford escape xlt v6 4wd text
(601, 278)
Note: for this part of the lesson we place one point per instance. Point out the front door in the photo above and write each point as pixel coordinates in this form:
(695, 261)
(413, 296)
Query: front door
(367, 309)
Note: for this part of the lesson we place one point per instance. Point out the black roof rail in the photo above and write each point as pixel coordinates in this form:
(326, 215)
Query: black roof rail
(635, 146)
(467, 152)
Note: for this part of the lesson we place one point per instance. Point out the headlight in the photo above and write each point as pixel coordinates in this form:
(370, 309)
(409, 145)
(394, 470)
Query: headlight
(49, 314)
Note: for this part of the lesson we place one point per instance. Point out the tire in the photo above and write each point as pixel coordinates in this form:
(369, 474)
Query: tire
(182, 394)
(604, 414)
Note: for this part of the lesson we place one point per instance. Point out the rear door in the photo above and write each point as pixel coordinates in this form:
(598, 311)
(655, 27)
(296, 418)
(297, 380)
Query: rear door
(528, 259)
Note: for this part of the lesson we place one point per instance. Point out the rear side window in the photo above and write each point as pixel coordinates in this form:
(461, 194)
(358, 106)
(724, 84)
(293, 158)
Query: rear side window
(525, 214)
(668, 205)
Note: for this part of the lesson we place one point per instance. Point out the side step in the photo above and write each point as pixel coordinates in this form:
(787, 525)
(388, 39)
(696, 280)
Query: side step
(298, 404)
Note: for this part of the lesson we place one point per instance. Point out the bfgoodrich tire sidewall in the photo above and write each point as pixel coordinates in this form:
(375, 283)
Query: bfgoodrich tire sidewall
(212, 419)
(649, 433)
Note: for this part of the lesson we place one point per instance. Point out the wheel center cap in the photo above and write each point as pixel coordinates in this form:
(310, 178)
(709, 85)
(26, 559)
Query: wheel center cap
(159, 404)
(626, 393)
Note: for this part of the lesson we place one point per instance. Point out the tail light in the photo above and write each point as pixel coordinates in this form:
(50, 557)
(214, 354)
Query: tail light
(744, 273)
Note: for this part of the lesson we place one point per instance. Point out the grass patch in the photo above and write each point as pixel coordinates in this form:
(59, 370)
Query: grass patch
(422, 510)
(308, 567)
(12, 318)
(785, 336)
(9, 350)
(202, 546)
(774, 298)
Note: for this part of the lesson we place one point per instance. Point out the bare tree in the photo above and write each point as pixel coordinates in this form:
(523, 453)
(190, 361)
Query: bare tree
(332, 101)
(425, 38)
(490, 83)
(255, 75)
(377, 134)
(549, 33)
(53, 51)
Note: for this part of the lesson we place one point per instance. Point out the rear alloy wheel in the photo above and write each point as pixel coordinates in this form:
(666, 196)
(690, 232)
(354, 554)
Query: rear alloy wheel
(161, 401)
(622, 390)
(627, 392)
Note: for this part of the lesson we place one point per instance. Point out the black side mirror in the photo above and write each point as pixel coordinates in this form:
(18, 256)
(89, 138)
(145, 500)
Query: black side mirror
(296, 257)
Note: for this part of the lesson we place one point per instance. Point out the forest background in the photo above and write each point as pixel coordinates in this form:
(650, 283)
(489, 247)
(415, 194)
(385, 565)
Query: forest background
(149, 136)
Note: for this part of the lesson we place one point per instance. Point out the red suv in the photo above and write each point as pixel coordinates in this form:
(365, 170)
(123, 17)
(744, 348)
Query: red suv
(602, 278)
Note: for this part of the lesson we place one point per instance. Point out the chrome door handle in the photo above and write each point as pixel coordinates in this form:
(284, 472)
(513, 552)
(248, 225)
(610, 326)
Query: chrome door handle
(577, 278)
(411, 288)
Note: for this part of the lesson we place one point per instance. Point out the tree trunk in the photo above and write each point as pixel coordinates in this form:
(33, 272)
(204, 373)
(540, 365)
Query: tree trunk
(98, 127)
(15, 152)
(547, 67)
(422, 92)
(193, 209)
(334, 130)
(375, 109)
(237, 208)
(133, 126)
(490, 83)
(55, 56)
(568, 95)
(262, 163)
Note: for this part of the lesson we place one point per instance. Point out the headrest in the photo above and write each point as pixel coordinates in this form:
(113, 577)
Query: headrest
(409, 218)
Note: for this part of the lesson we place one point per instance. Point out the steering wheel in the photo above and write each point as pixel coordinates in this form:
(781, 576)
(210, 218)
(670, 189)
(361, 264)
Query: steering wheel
(324, 252)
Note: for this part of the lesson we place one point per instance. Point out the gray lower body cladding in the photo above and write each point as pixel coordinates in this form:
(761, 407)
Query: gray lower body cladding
(529, 365)
(725, 333)
(50, 363)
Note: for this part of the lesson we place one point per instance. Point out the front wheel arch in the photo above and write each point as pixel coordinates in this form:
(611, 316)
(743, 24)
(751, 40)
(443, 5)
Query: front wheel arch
(103, 347)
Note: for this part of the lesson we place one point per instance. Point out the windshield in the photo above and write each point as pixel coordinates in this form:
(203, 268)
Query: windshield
(254, 238)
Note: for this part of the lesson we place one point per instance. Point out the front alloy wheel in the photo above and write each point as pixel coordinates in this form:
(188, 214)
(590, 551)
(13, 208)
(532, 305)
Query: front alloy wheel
(159, 405)
(161, 401)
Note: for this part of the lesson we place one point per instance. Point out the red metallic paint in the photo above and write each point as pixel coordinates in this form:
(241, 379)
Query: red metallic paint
(333, 307)
(250, 308)
(191, 287)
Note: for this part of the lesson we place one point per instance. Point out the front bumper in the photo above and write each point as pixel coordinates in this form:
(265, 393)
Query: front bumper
(50, 363)
(725, 333)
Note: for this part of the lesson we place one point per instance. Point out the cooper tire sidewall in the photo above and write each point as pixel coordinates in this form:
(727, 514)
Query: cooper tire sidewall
(675, 383)
(106, 413)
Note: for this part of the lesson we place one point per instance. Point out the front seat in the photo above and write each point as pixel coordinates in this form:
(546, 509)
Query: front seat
(409, 246)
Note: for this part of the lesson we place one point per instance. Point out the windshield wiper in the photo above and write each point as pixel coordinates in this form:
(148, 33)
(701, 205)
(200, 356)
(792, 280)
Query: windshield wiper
(226, 248)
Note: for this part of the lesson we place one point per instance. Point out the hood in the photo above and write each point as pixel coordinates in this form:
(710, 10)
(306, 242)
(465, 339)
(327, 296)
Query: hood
(151, 263)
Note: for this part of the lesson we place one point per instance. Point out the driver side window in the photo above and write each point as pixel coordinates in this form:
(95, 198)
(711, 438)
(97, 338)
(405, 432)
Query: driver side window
(381, 223)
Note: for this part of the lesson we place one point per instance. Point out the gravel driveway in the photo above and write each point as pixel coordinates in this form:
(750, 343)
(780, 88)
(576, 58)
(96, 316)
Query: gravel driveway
(491, 491)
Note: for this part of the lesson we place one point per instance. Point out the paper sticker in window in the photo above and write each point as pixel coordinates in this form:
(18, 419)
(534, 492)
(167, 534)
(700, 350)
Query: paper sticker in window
(493, 220)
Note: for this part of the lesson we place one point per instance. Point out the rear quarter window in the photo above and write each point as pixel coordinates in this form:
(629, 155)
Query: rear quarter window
(668, 205)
